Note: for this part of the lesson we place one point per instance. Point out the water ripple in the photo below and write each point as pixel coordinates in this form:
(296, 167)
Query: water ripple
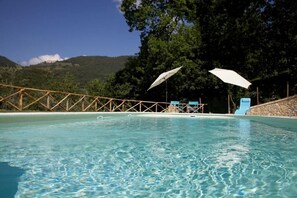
(153, 158)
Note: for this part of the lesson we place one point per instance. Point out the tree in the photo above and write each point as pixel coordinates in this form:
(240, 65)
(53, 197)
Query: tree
(169, 40)
(66, 83)
(7, 74)
(128, 81)
(97, 87)
(255, 38)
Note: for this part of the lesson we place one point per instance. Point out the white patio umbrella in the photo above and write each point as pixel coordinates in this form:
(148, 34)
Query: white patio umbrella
(163, 77)
(231, 77)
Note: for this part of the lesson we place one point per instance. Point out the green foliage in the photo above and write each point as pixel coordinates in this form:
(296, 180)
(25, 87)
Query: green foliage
(128, 82)
(169, 40)
(97, 87)
(121, 90)
(71, 75)
(66, 83)
(7, 74)
(45, 79)
(30, 77)
(255, 38)
(96, 67)
(86, 68)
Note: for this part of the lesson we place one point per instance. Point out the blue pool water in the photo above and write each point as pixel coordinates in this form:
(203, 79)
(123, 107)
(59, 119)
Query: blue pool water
(136, 155)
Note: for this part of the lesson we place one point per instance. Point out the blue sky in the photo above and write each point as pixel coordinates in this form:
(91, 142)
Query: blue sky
(63, 28)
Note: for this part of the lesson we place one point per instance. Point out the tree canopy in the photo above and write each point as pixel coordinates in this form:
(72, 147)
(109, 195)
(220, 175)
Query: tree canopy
(256, 38)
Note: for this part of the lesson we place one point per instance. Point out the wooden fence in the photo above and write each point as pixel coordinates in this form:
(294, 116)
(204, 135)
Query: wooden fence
(14, 98)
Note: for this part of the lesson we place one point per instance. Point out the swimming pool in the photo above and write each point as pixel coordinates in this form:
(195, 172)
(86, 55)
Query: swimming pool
(148, 155)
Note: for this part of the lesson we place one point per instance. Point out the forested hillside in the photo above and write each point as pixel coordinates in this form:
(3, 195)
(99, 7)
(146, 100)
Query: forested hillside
(5, 62)
(85, 68)
(72, 75)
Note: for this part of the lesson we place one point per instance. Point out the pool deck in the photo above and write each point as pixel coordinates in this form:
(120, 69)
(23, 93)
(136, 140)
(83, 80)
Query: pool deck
(280, 121)
(144, 113)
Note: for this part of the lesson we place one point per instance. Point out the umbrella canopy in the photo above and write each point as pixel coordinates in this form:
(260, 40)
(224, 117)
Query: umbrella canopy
(231, 77)
(163, 77)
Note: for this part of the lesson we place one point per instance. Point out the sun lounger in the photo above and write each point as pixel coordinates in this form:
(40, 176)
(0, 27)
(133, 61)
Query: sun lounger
(245, 104)
(175, 106)
(192, 107)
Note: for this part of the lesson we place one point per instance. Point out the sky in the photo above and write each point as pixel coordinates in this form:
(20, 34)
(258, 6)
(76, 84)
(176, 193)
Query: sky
(33, 31)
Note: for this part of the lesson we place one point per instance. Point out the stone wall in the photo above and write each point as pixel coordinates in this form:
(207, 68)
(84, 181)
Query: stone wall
(283, 107)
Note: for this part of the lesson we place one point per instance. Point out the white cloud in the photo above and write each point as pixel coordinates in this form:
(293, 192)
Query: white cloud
(43, 58)
(119, 3)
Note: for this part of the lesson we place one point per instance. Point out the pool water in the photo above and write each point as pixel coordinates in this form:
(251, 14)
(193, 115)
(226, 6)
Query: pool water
(146, 156)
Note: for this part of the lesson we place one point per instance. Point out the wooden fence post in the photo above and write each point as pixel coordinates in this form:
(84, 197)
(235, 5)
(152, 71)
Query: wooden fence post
(83, 105)
(48, 102)
(67, 104)
(21, 100)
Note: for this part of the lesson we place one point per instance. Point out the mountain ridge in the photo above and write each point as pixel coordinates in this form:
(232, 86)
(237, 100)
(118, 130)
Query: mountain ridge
(82, 68)
(5, 62)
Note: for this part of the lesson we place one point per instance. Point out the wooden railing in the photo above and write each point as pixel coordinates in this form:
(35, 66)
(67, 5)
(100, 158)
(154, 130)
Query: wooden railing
(14, 98)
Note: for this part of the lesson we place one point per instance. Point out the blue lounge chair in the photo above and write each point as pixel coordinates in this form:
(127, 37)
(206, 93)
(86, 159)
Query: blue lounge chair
(176, 105)
(193, 106)
(245, 104)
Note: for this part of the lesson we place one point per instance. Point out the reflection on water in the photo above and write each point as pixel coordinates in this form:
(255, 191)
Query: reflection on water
(227, 157)
(229, 152)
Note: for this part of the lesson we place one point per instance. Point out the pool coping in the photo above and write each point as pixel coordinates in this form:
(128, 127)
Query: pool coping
(145, 113)
(153, 113)
(277, 121)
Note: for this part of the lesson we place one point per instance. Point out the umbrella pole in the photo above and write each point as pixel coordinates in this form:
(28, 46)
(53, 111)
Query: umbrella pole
(229, 104)
(258, 96)
(166, 91)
